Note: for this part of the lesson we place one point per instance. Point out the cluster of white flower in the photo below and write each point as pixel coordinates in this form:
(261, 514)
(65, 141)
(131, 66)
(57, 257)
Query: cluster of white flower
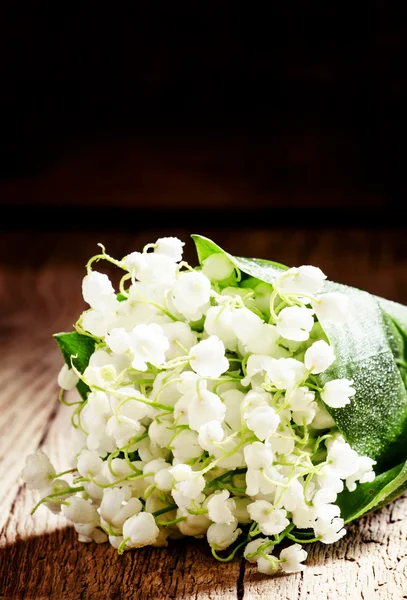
(204, 415)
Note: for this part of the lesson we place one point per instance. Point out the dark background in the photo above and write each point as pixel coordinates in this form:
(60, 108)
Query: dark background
(291, 116)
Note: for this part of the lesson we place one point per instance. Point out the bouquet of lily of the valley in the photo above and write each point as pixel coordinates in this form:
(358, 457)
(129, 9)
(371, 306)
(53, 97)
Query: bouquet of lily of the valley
(259, 406)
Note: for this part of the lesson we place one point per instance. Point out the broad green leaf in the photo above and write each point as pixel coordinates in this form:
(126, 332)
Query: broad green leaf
(397, 312)
(375, 422)
(396, 319)
(370, 496)
(81, 347)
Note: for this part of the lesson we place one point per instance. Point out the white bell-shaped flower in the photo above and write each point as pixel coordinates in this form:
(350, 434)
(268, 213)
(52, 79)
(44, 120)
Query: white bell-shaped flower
(329, 478)
(220, 507)
(304, 517)
(89, 533)
(323, 503)
(302, 404)
(67, 378)
(132, 507)
(254, 399)
(160, 434)
(164, 480)
(282, 441)
(291, 558)
(263, 481)
(271, 520)
(285, 373)
(253, 547)
(319, 357)
(332, 307)
(209, 434)
(300, 280)
(181, 472)
(208, 359)
(246, 325)
(185, 446)
(38, 471)
(165, 389)
(188, 483)
(171, 247)
(258, 455)
(205, 407)
(256, 367)
(263, 421)
(190, 294)
(181, 339)
(268, 565)
(154, 466)
(80, 511)
(98, 291)
(187, 382)
(113, 498)
(131, 404)
(57, 486)
(295, 323)
(89, 463)
(364, 472)
(150, 267)
(222, 535)
(148, 345)
(122, 430)
(98, 322)
(103, 358)
(338, 392)
(96, 412)
(218, 322)
(118, 340)
(293, 496)
(119, 468)
(192, 525)
(342, 458)
(141, 530)
(329, 532)
(265, 342)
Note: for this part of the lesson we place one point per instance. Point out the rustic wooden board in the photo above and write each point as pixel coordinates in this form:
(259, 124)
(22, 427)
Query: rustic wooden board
(40, 557)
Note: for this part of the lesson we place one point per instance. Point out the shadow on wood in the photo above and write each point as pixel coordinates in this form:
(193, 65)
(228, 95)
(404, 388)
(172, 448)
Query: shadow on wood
(57, 566)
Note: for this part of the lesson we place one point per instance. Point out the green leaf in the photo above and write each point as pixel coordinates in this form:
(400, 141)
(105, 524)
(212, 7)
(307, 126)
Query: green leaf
(371, 496)
(81, 347)
(396, 320)
(375, 422)
(264, 270)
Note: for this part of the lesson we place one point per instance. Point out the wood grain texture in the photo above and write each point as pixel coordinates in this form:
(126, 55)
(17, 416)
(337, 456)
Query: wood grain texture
(40, 557)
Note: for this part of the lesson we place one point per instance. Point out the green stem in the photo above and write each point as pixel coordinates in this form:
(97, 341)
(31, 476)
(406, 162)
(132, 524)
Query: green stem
(162, 511)
(299, 541)
(122, 546)
(231, 555)
(174, 522)
(64, 473)
(132, 477)
(57, 495)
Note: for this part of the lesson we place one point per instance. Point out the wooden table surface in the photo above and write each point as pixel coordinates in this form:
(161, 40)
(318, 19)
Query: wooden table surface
(40, 557)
